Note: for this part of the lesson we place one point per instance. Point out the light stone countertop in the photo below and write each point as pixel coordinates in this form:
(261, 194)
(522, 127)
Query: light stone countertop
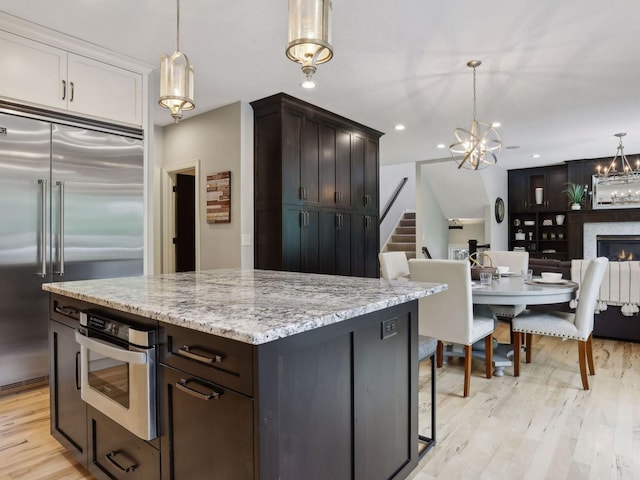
(252, 306)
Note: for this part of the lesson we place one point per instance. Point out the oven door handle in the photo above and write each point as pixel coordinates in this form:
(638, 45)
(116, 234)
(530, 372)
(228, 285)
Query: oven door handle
(110, 351)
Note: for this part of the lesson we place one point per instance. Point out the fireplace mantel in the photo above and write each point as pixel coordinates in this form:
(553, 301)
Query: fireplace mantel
(577, 218)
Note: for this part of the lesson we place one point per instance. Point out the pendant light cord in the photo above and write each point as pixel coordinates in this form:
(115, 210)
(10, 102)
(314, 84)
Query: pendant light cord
(474, 94)
(178, 28)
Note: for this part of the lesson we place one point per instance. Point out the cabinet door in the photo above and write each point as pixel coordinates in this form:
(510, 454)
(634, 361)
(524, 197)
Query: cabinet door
(328, 191)
(102, 90)
(32, 72)
(364, 246)
(371, 174)
(357, 171)
(343, 168)
(556, 182)
(310, 163)
(292, 191)
(335, 243)
(118, 453)
(68, 411)
(518, 191)
(207, 430)
(301, 240)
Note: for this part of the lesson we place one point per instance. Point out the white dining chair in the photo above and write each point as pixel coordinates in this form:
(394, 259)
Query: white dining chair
(577, 326)
(449, 315)
(394, 265)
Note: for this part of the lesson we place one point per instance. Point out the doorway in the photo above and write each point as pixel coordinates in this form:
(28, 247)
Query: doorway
(181, 228)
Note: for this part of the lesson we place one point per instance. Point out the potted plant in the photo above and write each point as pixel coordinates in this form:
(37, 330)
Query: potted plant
(575, 194)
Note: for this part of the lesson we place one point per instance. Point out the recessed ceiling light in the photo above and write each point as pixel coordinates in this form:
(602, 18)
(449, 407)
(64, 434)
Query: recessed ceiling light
(496, 124)
(535, 155)
(400, 127)
(441, 145)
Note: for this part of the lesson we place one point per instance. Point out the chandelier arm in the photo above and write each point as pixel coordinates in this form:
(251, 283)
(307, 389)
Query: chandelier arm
(466, 157)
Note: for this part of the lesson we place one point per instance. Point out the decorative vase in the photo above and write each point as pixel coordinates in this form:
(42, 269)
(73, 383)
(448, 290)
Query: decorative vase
(539, 195)
(559, 219)
(575, 206)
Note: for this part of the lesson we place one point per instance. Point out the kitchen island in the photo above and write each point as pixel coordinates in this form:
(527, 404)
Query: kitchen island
(261, 374)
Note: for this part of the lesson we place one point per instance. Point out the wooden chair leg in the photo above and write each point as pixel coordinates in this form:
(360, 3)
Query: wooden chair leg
(439, 354)
(582, 358)
(467, 369)
(517, 346)
(592, 368)
(527, 346)
(488, 355)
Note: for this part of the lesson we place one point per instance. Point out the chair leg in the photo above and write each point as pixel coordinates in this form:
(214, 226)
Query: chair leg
(582, 358)
(592, 368)
(488, 352)
(527, 346)
(439, 353)
(517, 345)
(467, 369)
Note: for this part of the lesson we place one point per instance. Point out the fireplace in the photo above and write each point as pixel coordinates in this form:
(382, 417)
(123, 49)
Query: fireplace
(619, 248)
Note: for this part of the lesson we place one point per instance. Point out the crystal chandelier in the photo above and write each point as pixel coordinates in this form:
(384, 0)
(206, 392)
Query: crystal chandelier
(176, 79)
(476, 147)
(611, 176)
(309, 35)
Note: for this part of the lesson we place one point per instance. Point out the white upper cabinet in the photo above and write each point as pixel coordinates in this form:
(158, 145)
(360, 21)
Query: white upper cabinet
(39, 74)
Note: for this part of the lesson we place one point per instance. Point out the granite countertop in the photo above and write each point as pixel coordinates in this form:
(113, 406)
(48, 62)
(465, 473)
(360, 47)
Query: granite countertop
(252, 306)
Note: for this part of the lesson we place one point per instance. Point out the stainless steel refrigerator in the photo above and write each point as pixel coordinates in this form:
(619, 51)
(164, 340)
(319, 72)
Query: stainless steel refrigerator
(71, 208)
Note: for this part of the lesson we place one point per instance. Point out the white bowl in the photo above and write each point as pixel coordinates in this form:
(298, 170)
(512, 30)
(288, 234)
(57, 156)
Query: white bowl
(551, 276)
(502, 269)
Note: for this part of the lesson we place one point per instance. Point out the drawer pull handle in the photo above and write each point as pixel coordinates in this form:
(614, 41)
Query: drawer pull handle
(110, 456)
(188, 352)
(184, 386)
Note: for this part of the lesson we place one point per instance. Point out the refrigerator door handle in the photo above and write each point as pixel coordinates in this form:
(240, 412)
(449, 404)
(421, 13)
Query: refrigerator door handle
(43, 229)
(61, 231)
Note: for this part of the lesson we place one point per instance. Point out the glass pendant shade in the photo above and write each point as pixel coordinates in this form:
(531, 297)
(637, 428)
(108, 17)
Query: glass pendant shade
(477, 146)
(176, 84)
(309, 33)
(176, 78)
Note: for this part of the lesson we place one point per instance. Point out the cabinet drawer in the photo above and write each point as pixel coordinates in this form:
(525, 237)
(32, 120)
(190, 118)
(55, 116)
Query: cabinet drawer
(226, 362)
(118, 453)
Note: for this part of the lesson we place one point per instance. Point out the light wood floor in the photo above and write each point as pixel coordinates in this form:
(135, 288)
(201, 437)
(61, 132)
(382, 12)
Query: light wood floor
(541, 425)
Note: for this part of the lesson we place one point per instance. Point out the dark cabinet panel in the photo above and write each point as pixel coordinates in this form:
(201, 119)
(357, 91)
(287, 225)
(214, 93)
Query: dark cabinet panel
(68, 417)
(365, 245)
(207, 430)
(324, 163)
(118, 453)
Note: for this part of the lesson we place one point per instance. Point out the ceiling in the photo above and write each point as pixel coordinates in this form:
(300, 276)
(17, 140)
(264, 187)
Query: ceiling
(561, 76)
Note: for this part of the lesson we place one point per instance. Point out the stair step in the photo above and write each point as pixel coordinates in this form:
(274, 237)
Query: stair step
(405, 231)
(401, 247)
(409, 215)
(407, 223)
(410, 238)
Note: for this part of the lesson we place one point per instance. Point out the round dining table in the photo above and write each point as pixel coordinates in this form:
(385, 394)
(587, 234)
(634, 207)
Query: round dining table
(514, 290)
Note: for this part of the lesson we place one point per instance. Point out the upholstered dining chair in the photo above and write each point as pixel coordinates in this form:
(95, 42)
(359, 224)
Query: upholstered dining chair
(449, 316)
(394, 265)
(577, 326)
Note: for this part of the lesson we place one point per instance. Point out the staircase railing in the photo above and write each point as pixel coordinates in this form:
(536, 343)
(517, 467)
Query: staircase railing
(393, 198)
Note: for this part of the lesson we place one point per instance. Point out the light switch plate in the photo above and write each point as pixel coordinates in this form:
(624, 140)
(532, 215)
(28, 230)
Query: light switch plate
(245, 240)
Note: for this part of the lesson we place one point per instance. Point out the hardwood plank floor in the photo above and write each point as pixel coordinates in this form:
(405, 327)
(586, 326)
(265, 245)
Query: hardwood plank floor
(541, 425)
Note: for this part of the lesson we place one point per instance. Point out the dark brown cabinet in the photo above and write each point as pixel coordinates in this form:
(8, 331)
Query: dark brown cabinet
(314, 173)
(68, 417)
(534, 222)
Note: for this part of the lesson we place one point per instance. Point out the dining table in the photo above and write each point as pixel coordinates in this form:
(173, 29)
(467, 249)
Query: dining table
(515, 290)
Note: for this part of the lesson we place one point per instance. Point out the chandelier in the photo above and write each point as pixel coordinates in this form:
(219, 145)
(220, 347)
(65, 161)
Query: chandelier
(176, 79)
(309, 35)
(476, 146)
(611, 176)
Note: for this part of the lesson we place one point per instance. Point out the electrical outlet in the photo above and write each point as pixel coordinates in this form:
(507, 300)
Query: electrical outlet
(389, 328)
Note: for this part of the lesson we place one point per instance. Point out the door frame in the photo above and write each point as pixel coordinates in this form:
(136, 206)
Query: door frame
(169, 212)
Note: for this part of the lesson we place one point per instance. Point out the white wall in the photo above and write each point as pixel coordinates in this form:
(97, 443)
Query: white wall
(390, 178)
(495, 180)
(431, 226)
(219, 140)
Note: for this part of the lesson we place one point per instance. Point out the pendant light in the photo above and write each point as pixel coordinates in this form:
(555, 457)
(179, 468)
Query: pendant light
(309, 35)
(610, 175)
(176, 79)
(476, 146)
